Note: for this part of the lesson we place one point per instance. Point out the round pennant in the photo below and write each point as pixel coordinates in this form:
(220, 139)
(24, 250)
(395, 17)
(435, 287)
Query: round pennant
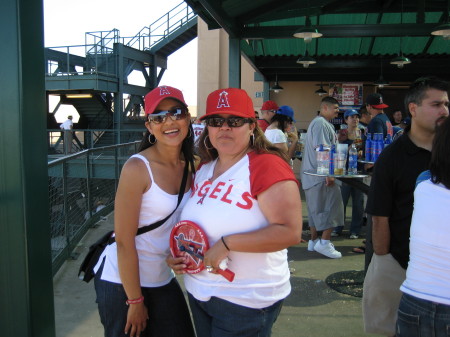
(187, 236)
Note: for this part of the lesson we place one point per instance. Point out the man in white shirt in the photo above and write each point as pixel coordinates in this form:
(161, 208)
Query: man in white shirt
(67, 126)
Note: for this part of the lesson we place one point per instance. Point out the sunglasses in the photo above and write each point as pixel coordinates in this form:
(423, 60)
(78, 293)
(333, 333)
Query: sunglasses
(232, 122)
(175, 114)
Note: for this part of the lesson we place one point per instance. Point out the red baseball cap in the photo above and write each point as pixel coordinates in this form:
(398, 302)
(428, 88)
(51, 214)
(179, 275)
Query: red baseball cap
(269, 105)
(155, 96)
(376, 101)
(230, 101)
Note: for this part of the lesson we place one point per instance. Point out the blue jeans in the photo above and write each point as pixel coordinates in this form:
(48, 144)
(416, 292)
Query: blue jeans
(167, 309)
(220, 318)
(357, 208)
(418, 318)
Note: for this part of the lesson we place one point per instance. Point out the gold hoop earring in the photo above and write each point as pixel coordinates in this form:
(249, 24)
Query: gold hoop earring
(150, 139)
(206, 145)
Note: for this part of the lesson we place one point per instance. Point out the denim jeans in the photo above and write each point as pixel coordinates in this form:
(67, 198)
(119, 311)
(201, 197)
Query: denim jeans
(419, 318)
(220, 318)
(357, 208)
(167, 309)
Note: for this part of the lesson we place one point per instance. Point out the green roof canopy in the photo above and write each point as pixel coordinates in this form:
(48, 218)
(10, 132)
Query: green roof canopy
(359, 36)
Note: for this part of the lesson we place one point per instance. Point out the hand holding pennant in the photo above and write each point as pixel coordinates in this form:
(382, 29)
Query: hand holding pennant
(187, 236)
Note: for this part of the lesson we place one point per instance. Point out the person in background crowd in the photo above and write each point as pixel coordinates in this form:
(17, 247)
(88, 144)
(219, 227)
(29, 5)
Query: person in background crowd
(67, 127)
(364, 119)
(198, 128)
(380, 123)
(282, 125)
(391, 200)
(425, 305)
(351, 136)
(268, 110)
(323, 196)
(397, 117)
(246, 198)
(137, 293)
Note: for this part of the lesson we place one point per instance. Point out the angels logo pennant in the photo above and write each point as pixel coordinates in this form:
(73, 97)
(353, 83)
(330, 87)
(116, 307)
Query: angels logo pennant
(223, 100)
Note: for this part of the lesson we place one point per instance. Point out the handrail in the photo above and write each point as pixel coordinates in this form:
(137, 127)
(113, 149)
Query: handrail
(82, 189)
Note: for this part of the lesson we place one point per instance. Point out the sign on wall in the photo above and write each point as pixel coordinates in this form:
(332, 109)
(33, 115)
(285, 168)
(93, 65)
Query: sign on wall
(349, 95)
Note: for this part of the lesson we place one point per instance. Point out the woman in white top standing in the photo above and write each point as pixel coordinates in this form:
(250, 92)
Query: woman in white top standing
(282, 132)
(246, 199)
(425, 305)
(137, 293)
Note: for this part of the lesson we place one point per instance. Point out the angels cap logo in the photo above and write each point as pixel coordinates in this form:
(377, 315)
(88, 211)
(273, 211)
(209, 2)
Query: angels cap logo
(164, 91)
(223, 100)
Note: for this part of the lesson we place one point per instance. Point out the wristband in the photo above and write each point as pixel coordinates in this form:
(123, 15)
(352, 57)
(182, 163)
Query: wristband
(223, 241)
(135, 301)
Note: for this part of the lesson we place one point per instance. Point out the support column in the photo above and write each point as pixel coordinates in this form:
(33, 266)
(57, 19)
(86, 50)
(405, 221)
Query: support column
(26, 301)
(234, 77)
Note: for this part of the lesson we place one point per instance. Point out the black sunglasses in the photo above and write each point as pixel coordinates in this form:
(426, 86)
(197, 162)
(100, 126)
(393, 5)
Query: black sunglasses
(232, 122)
(175, 114)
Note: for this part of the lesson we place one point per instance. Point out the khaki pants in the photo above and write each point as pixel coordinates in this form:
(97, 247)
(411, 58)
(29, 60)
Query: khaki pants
(381, 294)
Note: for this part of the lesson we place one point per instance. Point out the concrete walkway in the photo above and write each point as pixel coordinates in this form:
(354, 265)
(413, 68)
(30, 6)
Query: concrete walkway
(312, 310)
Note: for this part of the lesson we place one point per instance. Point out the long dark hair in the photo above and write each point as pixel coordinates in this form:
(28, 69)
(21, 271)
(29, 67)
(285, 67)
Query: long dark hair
(187, 147)
(440, 155)
(283, 121)
(260, 144)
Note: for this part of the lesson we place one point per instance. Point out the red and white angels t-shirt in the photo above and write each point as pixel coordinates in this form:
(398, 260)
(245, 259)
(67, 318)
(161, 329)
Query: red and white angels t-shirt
(229, 205)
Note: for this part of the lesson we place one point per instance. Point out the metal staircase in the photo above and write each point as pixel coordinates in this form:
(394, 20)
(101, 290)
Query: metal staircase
(94, 77)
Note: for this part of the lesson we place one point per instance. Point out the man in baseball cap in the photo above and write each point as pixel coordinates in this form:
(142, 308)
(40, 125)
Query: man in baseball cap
(268, 109)
(380, 123)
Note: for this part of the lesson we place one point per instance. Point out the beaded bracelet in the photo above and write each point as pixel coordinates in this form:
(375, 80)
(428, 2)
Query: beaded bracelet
(135, 301)
(223, 241)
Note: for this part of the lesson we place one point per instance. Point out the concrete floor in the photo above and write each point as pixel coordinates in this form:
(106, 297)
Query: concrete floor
(313, 308)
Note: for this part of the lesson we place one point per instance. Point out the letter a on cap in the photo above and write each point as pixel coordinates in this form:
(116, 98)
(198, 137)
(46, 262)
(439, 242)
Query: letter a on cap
(164, 91)
(223, 100)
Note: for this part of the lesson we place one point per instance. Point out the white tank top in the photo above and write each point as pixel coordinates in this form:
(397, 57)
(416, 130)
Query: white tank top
(153, 246)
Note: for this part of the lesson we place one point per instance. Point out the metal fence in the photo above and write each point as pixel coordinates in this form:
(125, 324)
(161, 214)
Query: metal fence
(82, 187)
(80, 139)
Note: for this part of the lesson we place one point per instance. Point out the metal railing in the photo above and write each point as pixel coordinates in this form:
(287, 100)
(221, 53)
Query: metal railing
(161, 28)
(96, 56)
(82, 188)
(82, 139)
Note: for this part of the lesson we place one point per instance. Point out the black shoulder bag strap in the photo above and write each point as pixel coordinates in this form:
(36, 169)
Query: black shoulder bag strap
(155, 225)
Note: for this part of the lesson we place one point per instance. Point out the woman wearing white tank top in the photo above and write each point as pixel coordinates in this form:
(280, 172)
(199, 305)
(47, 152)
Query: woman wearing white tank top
(137, 293)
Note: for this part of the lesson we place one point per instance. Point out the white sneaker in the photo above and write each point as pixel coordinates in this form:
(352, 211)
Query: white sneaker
(328, 250)
(311, 244)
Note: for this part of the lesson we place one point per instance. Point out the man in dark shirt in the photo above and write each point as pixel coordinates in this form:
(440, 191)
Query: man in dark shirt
(390, 203)
(380, 123)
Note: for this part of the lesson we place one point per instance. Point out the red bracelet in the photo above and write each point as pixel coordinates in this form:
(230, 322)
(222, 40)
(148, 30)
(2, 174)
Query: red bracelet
(135, 301)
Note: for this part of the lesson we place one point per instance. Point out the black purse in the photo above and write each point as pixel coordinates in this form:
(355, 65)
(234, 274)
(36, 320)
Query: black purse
(86, 271)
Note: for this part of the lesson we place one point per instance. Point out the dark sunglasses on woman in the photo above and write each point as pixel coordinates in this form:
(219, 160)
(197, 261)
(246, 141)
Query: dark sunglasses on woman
(175, 114)
(232, 122)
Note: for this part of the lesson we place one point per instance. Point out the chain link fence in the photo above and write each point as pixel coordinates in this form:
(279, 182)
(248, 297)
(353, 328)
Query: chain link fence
(81, 190)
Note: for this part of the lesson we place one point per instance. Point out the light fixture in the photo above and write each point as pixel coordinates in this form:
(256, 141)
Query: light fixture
(306, 60)
(78, 95)
(442, 30)
(321, 91)
(400, 60)
(381, 82)
(307, 33)
(276, 88)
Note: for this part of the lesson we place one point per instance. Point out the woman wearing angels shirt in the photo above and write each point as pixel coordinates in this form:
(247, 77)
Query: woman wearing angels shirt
(246, 198)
